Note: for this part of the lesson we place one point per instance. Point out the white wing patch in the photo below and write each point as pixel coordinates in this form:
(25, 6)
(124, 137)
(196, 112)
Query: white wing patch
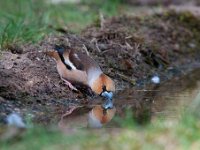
(70, 64)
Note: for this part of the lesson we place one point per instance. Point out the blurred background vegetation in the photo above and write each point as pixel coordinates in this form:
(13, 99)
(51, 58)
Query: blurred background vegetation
(30, 20)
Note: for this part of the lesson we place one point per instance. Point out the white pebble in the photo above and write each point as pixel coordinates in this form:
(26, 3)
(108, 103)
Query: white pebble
(15, 120)
(155, 79)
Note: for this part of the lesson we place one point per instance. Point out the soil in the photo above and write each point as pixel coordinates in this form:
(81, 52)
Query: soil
(131, 50)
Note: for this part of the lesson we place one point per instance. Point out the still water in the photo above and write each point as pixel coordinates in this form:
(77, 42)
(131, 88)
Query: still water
(166, 100)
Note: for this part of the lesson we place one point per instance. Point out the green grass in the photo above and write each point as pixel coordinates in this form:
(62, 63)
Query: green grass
(20, 23)
(24, 21)
(184, 134)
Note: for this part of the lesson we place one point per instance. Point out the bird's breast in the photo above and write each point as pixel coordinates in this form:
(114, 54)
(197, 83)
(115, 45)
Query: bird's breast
(72, 75)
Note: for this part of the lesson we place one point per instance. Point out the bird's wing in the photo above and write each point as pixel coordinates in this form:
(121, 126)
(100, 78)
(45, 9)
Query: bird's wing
(82, 61)
(76, 60)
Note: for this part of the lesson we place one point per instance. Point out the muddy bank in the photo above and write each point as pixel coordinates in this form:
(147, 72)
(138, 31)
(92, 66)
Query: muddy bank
(129, 49)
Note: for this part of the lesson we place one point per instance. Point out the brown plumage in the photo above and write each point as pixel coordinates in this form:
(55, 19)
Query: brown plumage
(77, 68)
(99, 116)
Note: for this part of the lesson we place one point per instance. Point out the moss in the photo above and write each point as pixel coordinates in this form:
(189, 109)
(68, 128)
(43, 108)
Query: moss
(190, 20)
(186, 18)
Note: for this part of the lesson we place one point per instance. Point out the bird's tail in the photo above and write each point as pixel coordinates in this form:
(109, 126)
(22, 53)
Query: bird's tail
(56, 52)
(53, 54)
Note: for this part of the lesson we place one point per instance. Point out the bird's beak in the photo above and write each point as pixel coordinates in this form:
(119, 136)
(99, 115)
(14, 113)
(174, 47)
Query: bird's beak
(108, 97)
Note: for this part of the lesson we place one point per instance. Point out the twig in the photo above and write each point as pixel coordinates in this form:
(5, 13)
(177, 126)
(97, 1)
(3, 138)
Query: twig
(102, 20)
(86, 50)
(137, 45)
(132, 81)
(106, 51)
(69, 44)
(144, 90)
(94, 40)
(128, 46)
(129, 37)
(98, 47)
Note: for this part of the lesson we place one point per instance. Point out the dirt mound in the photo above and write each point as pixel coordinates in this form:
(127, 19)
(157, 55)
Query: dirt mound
(129, 49)
(148, 44)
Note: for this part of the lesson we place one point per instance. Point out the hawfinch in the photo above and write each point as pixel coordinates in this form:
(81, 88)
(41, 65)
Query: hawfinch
(79, 70)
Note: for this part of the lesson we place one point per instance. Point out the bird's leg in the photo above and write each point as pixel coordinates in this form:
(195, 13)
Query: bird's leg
(69, 84)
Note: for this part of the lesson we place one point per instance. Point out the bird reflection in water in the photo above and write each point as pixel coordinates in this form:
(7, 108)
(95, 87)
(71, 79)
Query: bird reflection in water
(86, 117)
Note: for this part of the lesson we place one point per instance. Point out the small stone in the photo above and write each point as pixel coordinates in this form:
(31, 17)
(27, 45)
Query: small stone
(155, 79)
(15, 120)
(37, 58)
(192, 45)
(177, 47)
(8, 65)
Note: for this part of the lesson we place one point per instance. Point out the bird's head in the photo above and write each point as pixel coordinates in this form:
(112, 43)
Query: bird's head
(105, 86)
(53, 54)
